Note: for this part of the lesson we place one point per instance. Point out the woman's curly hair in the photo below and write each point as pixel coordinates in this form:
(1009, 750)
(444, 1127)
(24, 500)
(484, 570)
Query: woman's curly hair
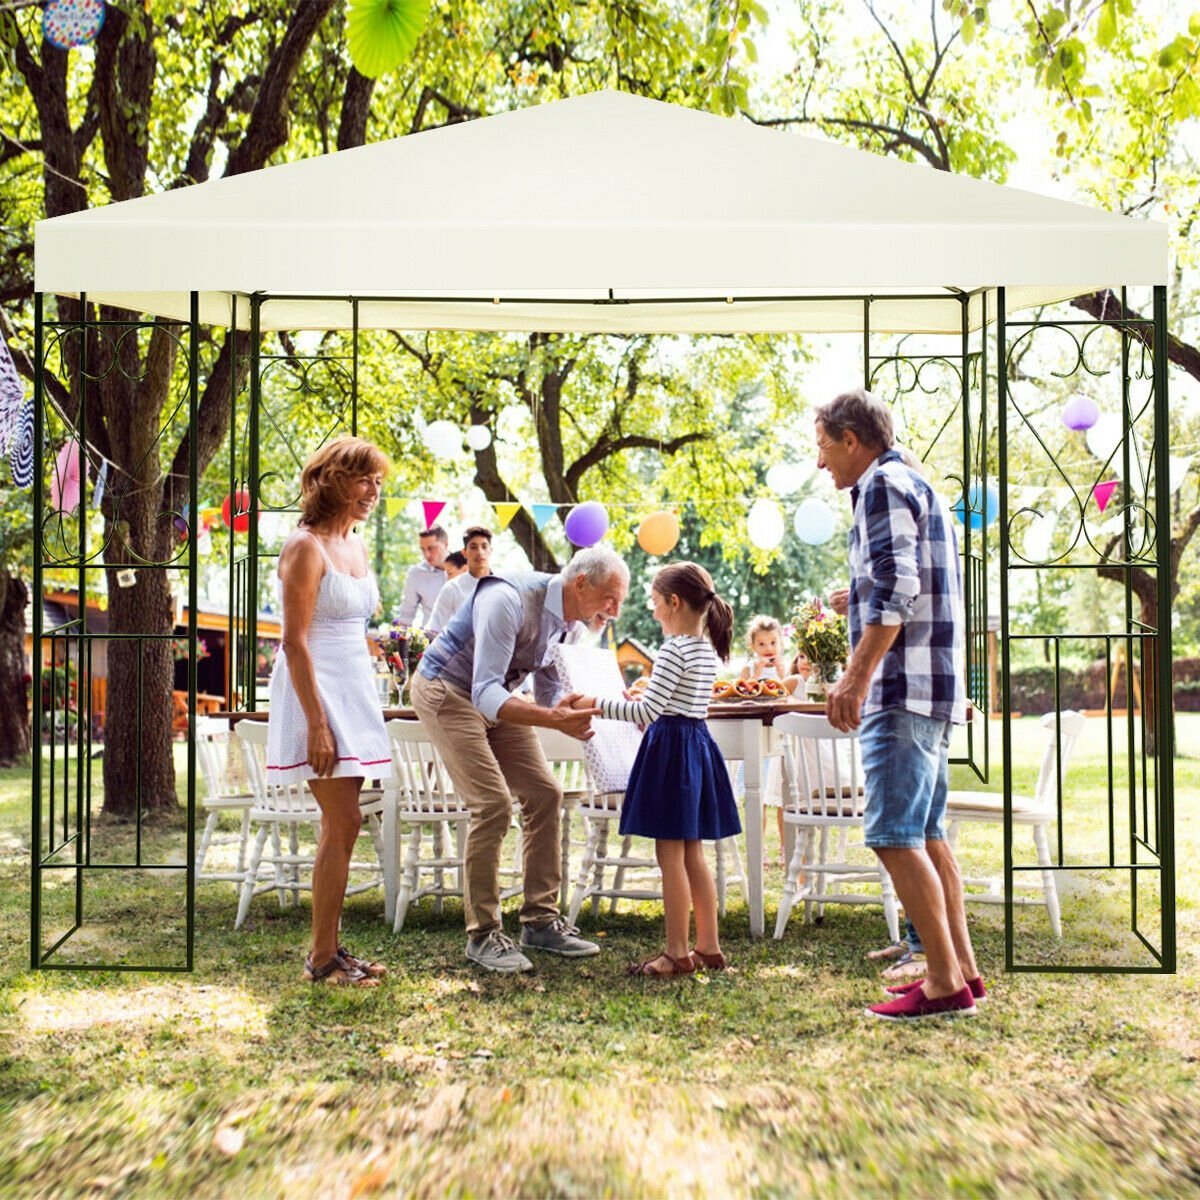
(328, 476)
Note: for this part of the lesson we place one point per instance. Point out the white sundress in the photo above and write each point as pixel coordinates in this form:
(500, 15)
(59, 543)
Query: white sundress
(337, 642)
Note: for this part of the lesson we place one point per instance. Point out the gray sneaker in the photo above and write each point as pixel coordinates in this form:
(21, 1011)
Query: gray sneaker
(559, 937)
(495, 951)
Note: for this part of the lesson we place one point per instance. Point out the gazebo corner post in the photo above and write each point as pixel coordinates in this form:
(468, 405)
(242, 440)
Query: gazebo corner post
(83, 831)
(867, 342)
(354, 366)
(1005, 650)
(1164, 716)
(251, 700)
(35, 732)
(1130, 644)
(983, 444)
(193, 611)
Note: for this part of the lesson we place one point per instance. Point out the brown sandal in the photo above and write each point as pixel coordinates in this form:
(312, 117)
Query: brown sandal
(710, 962)
(376, 970)
(676, 966)
(338, 972)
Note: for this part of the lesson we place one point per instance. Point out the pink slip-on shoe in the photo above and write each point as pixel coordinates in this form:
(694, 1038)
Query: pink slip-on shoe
(915, 1006)
(978, 991)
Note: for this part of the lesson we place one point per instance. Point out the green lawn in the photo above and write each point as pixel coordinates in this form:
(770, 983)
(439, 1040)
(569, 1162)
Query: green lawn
(241, 1080)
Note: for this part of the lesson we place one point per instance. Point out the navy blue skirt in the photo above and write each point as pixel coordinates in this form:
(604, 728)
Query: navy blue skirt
(679, 786)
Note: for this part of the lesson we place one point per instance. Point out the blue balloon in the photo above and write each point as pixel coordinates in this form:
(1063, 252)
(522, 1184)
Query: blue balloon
(984, 507)
(814, 522)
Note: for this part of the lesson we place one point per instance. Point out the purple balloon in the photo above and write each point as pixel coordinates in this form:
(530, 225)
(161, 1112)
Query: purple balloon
(1080, 412)
(586, 523)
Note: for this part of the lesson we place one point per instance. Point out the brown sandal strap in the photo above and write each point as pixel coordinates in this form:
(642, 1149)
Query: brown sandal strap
(376, 970)
(679, 966)
(714, 962)
(351, 975)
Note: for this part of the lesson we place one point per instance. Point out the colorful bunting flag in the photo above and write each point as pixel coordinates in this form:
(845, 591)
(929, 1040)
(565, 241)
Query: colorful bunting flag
(394, 505)
(505, 511)
(1103, 492)
(431, 510)
(542, 514)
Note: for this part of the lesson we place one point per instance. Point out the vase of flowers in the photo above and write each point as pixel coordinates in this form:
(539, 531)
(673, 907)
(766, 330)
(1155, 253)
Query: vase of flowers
(822, 637)
(402, 647)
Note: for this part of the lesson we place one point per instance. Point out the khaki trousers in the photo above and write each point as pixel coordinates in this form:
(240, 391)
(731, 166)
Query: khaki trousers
(490, 762)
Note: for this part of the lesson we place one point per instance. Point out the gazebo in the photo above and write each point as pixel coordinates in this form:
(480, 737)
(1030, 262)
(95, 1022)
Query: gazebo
(611, 213)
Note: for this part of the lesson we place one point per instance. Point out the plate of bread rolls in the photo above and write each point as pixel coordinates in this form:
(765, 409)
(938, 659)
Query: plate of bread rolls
(748, 689)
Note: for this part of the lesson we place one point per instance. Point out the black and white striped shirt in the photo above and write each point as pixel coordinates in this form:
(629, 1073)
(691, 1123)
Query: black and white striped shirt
(680, 684)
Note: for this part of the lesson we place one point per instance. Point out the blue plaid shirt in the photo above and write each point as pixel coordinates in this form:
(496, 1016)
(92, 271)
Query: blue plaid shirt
(905, 570)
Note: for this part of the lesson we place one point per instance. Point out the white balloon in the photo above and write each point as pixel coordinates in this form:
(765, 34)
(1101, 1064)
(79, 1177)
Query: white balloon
(764, 523)
(443, 438)
(1105, 437)
(479, 437)
(815, 522)
(784, 478)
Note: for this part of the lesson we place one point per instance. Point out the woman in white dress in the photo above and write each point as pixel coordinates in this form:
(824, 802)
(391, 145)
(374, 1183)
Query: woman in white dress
(325, 725)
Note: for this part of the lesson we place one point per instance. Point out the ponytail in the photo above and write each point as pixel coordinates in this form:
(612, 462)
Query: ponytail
(694, 586)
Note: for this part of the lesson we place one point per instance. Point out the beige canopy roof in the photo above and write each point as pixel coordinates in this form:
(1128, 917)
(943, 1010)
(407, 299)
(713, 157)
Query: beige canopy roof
(604, 213)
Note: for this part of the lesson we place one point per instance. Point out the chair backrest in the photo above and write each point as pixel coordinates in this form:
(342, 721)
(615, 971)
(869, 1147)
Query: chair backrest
(286, 799)
(1071, 723)
(420, 782)
(212, 754)
(608, 755)
(828, 769)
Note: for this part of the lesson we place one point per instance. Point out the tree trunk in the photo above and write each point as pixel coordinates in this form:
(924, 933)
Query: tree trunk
(14, 693)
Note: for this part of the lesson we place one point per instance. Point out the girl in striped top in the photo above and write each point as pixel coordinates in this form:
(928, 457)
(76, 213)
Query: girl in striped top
(679, 791)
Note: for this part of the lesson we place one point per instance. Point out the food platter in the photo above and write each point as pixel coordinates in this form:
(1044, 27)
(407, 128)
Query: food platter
(727, 691)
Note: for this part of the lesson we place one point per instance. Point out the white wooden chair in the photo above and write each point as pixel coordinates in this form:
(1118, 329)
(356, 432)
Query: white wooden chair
(221, 796)
(1036, 812)
(607, 758)
(420, 803)
(828, 798)
(290, 806)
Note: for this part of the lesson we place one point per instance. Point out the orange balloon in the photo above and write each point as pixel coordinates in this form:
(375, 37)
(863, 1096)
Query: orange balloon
(659, 533)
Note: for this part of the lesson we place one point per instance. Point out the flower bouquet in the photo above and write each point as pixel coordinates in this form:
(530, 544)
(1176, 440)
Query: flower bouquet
(822, 637)
(402, 647)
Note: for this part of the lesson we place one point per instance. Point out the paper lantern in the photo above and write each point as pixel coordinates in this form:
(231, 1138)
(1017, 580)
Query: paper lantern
(479, 437)
(1080, 412)
(659, 533)
(381, 34)
(1039, 535)
(815, 522)
(70, 23)
(67, 478)
(784, 478)
(238, 521)
(984, 506)
(443, 439)
(764, 523)
(586, 523)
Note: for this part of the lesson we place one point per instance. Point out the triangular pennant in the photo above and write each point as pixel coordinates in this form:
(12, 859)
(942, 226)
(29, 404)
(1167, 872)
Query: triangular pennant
(506, 510)
(1103, 492)
(1062, 497)
(542, 513)
(395, 506)
(431, 509)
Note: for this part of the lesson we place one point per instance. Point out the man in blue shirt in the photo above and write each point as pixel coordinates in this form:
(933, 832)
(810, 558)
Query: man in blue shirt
(463, 694)
(904, 689)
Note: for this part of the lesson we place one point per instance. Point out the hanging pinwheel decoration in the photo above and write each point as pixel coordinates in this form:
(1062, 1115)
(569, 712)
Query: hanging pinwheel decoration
(67, 479)
(20, 456)
(381, 34)
(70, 23)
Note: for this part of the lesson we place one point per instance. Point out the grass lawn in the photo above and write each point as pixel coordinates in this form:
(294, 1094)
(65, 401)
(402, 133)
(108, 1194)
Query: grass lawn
(576, 1081)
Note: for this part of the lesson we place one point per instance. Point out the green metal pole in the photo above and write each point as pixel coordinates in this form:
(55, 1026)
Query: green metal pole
(81, 856)
(35, 733)
(1164, 716)
(1005, 665)
(193, 607)
(252, 489)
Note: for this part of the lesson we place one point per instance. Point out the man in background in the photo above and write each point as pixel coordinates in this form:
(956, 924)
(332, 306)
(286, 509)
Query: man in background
(426, 579)
(477, 550)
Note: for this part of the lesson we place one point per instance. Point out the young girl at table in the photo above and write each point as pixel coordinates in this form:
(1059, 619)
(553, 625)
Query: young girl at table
(764, 640)
(679, 791)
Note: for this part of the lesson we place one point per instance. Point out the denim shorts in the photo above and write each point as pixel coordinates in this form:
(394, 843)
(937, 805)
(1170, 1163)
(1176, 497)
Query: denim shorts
(906, 772)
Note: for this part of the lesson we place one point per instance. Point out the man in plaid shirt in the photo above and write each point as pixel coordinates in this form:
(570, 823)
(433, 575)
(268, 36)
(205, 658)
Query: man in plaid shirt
(904, 689)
